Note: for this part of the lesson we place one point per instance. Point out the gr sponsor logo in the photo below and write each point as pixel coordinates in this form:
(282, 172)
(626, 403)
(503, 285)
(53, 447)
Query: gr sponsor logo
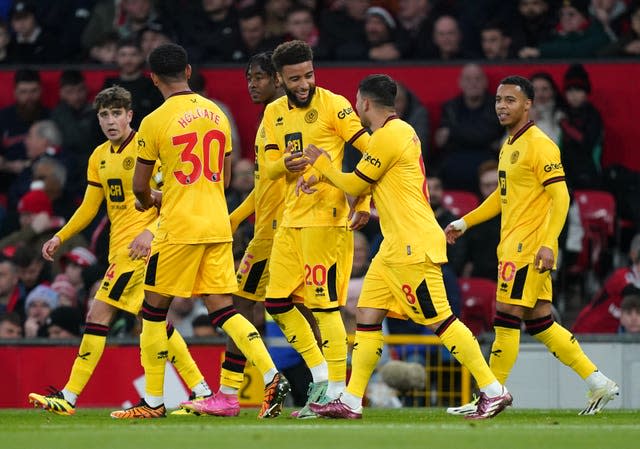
(372, 160)
(552, 166)
(342, 114)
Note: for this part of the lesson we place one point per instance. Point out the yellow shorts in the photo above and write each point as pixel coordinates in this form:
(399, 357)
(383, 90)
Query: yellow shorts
(522, 284)
(313, 263)
(190, 270)
(122, 285)
(413, 291)
(253, 273)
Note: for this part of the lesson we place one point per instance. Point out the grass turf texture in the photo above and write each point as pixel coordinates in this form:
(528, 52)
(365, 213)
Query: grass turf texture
(405, 428)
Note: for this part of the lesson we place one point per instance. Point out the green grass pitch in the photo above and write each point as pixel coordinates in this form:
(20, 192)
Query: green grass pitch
(405, 428)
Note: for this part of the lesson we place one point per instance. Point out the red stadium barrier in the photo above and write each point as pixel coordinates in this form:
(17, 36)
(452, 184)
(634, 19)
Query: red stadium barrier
(614, 93)
(116, 381)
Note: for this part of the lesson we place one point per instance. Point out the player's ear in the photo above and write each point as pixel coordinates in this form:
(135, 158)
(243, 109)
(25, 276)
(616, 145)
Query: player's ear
(154, 78)
(187, 72)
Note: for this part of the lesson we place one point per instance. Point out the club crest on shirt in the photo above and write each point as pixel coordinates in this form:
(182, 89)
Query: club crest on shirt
(128, 163)
(311, 116)
(514, 157)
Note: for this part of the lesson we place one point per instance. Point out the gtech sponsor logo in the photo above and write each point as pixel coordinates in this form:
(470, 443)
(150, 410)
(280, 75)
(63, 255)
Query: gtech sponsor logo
(549, 167)
(342, 114)
(372, 160)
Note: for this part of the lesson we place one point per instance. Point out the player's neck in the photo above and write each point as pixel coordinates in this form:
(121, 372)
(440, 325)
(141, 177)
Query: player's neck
(380, 118)
(512, 130)
(167, 90)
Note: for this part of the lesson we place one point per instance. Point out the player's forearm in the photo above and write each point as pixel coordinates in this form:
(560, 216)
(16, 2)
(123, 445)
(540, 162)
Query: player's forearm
(558, 214)
(86, 212)
(362, 203)
(244, 210)
(349, 183)
(141, 186)
(486, 211)
(274, 165)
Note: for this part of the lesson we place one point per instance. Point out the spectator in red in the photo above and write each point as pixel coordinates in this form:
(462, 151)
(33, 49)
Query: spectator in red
(12, 293)
(602, 314)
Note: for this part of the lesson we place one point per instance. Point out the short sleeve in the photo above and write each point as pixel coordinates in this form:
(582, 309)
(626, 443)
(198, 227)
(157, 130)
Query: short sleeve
(147, 150)
(379, 157)
(93, 175)
(548, 164)
(347, 124)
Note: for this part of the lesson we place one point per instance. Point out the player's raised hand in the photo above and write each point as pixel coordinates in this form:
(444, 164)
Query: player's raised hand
(305, 186)
(312, 153)
(50, 247)
(454, 230)
(294, 161)
(140, 247)
(544, 259)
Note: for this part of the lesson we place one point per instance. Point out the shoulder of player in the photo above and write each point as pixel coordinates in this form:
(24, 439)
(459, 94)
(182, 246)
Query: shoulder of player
(276, 105)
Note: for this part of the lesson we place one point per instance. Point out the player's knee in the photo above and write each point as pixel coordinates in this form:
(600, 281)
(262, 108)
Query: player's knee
(276, 306)
(538, 325)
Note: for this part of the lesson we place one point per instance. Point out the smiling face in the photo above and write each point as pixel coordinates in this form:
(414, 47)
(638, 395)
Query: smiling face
(512, 106)
(299, 83)
(114, 123)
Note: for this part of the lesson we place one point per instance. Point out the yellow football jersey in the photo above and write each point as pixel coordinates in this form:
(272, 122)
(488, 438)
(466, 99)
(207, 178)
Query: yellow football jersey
(393, 165)
(111, 169)
(529, 161)
(269, 195)
(327, 122)
(190, 135)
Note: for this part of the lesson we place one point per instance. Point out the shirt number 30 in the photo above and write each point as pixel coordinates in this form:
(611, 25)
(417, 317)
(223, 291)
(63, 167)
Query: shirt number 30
(199, 166)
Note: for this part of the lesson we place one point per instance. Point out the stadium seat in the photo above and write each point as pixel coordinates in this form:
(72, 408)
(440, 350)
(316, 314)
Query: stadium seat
(478, 304)
(598, 218)
(459, 202)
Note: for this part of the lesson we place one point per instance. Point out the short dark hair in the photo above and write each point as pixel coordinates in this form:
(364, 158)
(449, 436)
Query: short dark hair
(380, 88)
(520, 81)
(113, 97)
(26, 76)
(11, 317)
(71, 78)
(496, 24)
(264, 61)
(249, 12)
(291, 53)
(168, 61)
(630, 302)
(128, 42)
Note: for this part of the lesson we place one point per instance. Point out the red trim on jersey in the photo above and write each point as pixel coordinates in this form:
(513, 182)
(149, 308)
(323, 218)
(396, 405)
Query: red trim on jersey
(391, 117)
(356, 136)
(271, 146)
(124, 144)
(553, 180)
(182, 92)
(520, 132)
(362, 176)
(146, 161)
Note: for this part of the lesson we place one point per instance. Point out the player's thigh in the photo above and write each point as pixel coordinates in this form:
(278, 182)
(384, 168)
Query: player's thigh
(286, 272)
(327, 254)
(419, 291)
(253, 272)
(123, 283)
(216, 273)
(521, 284)
(172, 269)
(375, 292)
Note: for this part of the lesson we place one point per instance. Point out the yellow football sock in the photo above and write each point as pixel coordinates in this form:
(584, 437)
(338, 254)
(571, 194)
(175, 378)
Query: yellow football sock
(563, 345)
(367, 349)
(334, 343)
(153, 355)
(248, 340)
(89, 354)
(299, 334)
(504, 352)
(180, 357)
(464, 347)
(232, 371)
